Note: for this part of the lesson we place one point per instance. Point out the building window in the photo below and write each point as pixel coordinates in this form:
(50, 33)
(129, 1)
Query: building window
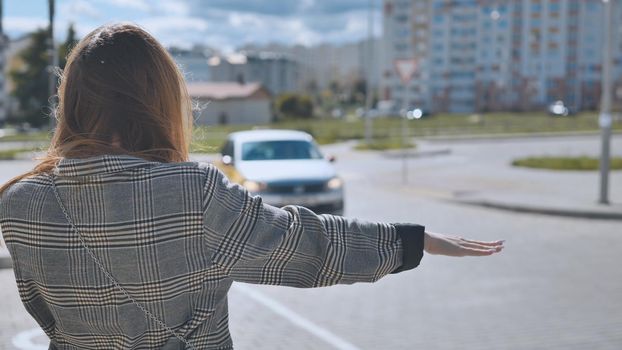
(554, 7)
(401, 18)
(401, 47)
(402, 33)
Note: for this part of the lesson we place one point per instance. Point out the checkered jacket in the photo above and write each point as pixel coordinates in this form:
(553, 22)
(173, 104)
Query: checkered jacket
(175, 236)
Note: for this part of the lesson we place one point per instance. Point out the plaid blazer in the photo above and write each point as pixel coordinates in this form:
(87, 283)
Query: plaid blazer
(175, 236)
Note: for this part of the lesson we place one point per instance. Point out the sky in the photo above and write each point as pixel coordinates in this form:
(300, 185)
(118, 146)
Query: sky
(221, 24)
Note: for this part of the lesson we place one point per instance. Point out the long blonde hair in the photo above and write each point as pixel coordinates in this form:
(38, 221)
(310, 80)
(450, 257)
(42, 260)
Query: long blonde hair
(120, 93)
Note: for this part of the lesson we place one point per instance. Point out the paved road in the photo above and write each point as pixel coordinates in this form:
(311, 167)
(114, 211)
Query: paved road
(557, 285)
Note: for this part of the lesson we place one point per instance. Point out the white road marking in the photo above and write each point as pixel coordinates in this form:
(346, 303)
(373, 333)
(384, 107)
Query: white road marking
(24, 340)
(295, 318)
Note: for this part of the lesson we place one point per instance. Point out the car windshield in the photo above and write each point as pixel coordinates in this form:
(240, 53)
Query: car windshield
(279, 150)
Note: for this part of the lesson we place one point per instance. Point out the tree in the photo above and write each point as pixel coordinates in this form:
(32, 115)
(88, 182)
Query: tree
(359, 91)
(293, 106)
(334, 87)
(31, 78)
(65, 48)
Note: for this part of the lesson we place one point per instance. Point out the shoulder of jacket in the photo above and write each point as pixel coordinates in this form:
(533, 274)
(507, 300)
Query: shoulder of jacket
(203, 169)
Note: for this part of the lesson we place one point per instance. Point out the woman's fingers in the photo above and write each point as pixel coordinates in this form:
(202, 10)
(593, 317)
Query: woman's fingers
(478, 248)
(469, 244)
(478, 252)
(495, 243)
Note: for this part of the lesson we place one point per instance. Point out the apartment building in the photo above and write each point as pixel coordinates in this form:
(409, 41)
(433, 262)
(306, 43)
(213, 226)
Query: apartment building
(276, 71)
(193, 62)
(484, 55)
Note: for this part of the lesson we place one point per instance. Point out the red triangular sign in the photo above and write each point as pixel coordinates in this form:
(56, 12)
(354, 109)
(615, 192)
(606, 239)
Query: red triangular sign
(406, 68)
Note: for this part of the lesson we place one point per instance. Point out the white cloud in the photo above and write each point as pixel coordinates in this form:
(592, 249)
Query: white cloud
(177, 8)
(23, 24)
(245, 20)
(141, 5)
(79, 9)
(255, 28)
(175, 31)
(222, 24)
(306, 5)
(177, 24)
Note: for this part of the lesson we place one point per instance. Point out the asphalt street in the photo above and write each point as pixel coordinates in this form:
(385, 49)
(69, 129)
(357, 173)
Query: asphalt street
(557, 285)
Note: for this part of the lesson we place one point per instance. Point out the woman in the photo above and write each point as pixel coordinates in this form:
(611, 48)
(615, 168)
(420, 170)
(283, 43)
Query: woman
(119, 242)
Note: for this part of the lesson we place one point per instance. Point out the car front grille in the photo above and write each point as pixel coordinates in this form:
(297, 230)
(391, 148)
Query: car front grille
(296, 188)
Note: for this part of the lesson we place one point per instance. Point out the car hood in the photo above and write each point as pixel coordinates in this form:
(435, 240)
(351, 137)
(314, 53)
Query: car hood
(286, 170)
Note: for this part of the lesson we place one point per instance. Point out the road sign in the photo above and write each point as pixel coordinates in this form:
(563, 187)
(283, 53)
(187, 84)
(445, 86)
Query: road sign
(406, 69)
(605, 120)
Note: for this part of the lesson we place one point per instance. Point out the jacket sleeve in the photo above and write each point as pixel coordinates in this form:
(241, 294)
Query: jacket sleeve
(292, 246)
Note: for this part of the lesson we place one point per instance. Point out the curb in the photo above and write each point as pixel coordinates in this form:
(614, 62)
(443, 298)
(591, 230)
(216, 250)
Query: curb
(416, 154)
(575, 213)
(501, 136)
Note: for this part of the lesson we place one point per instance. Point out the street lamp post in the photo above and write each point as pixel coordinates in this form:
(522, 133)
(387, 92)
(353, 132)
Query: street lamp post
(53, 57)
(4, 41)
(406, 69)
(605, 119)
(369, 69)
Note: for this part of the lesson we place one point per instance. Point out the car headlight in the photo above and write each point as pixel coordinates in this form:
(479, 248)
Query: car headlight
(254, 186)
(334, 183)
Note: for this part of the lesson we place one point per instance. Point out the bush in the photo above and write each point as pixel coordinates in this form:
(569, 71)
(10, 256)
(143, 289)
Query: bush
(382, 145)
(294, 106)
(566, 163)
(11, 154)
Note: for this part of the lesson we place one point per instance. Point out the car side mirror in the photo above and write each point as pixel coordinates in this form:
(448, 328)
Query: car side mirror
(332, 159)
(227, 160)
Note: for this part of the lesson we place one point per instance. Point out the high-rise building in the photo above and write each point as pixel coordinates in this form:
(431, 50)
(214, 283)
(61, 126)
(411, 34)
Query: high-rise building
(276, 71)
(482, 55)
(406, 35)
(193, 62)
(327, 63)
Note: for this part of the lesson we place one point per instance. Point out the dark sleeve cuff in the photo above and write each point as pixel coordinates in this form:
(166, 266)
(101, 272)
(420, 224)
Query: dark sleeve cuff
(411, 236)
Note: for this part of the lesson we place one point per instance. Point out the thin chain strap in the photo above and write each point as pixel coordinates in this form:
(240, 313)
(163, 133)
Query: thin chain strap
(109, 276)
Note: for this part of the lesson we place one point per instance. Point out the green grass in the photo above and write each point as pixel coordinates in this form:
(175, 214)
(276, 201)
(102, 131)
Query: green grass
(330, 130)
(208, 139)
(11, 154)
(27, 137)
(566, 163)
(382, 145)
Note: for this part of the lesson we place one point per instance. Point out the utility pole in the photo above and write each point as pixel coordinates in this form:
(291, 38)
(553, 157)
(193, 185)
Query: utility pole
(406, 69)
(369, 96)
(53, 57)
(605, 119)
(4, 43)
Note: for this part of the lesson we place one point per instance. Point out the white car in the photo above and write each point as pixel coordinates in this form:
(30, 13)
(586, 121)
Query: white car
(283, 167)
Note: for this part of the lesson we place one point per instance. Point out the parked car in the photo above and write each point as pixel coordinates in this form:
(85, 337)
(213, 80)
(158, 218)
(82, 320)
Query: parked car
(283, 167)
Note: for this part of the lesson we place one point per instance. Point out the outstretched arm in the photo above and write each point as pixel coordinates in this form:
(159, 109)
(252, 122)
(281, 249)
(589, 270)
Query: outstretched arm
(258, 243)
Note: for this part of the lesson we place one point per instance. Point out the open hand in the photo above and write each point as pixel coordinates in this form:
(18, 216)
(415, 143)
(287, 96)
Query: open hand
(440, 244)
